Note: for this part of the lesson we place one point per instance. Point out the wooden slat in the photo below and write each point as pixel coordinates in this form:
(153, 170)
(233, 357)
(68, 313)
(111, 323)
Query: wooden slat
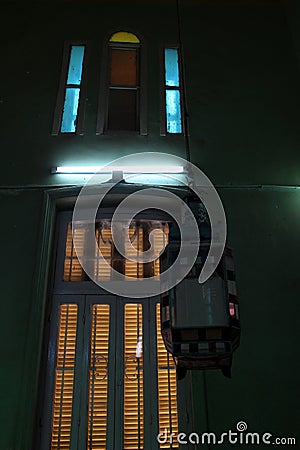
(132, 268)
(103, 238)
(98, 377)
(160, 242)
(72, 267)
(133, 380)
(167, 388)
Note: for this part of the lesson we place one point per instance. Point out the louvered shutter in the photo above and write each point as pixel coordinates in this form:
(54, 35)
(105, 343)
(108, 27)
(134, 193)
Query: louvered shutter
(98, 377)
(64, 377)
(133, 378)
(167, 388)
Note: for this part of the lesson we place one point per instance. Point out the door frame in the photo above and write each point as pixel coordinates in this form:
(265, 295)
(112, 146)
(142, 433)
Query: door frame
(56, 201)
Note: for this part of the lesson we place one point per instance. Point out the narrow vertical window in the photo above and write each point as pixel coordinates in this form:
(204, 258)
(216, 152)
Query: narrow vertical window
(68, 114)
(72, 89)
(123, 84)
(172, 89)
(122, 103)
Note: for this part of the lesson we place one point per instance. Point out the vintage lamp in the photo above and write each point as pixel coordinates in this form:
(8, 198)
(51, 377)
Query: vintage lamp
(200, 322)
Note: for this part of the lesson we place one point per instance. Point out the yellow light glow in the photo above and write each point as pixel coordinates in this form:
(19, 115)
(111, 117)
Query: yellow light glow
(124, 36)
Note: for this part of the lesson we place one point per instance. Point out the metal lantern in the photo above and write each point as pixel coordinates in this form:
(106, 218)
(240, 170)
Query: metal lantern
(200, 322)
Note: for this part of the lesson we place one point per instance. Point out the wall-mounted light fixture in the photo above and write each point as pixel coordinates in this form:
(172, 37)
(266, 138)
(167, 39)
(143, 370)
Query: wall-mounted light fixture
(124, 169)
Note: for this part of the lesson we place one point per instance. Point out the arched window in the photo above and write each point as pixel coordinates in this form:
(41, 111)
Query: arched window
(122, 104)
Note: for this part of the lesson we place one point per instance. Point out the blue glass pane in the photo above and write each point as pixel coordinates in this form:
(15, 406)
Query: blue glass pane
(171, 67)
(75, 64)
(173, 111)
(68, 124)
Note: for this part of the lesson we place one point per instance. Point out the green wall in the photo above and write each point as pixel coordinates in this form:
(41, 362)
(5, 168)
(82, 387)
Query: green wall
(19, 229)
(242, 81)
(264, 389)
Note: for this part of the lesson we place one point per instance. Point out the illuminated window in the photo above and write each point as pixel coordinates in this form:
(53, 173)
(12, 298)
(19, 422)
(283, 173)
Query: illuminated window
(97, 327)
(69, 108)
(172, 117)
(123, 94)
(139, 236)
(110, 382)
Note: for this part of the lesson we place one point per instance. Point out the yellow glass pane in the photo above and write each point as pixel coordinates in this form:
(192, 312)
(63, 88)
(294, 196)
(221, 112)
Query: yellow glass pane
(124, 36)
(98, 377)
(133, 379)
(64, 377)
(167, 388)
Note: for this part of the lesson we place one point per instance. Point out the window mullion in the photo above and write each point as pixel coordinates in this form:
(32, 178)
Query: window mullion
(124, 88)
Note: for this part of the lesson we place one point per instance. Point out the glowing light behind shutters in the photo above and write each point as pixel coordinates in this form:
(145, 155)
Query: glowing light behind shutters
(134, 269)
(64, 377)
(97, 408)
(167, 388)
(133, 380)
(73, 270)
(98, 378)
(104, 239)
(160, 241)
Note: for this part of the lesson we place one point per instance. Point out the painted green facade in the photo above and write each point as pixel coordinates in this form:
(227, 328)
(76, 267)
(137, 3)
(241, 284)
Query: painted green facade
(242, 71)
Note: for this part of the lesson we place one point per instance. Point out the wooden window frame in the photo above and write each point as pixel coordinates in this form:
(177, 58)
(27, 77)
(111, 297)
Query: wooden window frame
(58, 112)
(102, 115)
(62, 204)
(163, 119)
